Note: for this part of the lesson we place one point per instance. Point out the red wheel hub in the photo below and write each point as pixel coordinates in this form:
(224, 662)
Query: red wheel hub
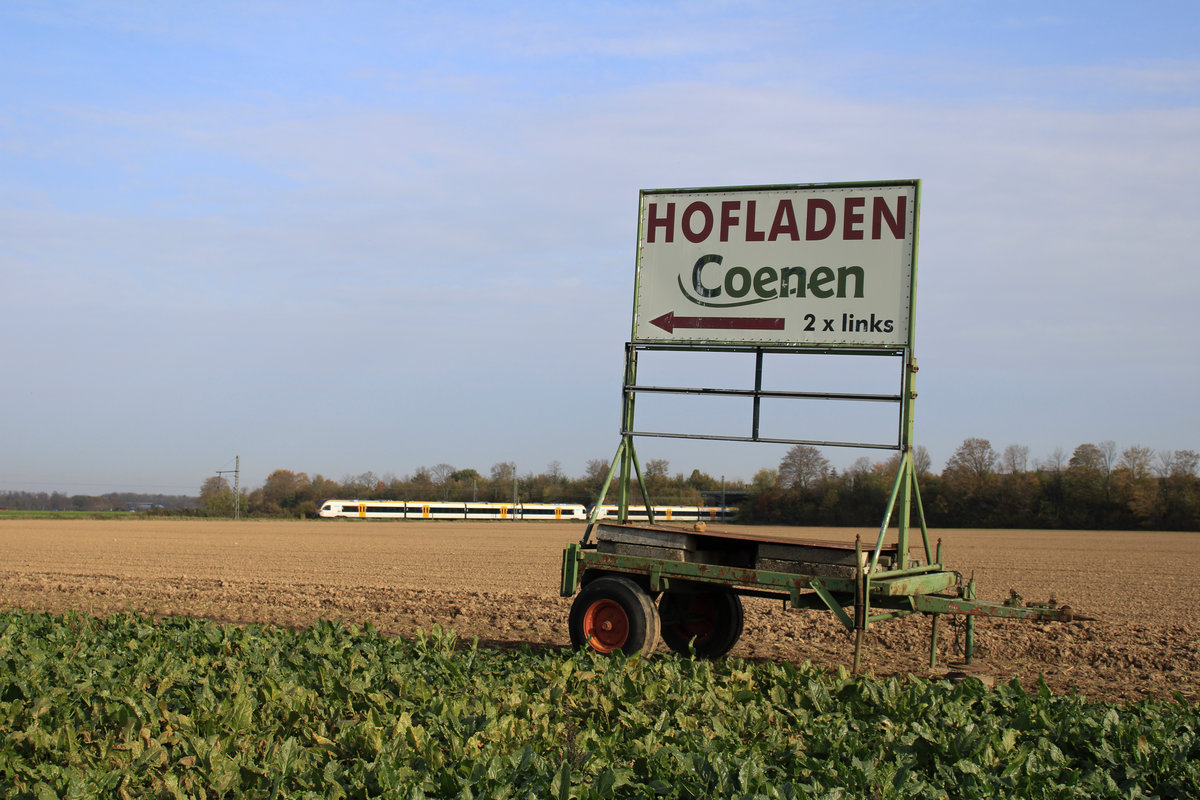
(606, 626)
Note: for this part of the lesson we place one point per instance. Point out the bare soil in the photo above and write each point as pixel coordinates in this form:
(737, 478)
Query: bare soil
(498, 582)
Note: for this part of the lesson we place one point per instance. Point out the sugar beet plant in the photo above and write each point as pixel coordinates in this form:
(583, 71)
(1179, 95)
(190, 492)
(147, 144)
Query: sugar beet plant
(181, 708)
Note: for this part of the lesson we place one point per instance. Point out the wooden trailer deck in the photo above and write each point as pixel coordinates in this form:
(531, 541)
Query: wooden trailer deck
(737, 550)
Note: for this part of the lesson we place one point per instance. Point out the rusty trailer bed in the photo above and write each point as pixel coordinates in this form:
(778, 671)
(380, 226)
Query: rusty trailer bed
(725, 549)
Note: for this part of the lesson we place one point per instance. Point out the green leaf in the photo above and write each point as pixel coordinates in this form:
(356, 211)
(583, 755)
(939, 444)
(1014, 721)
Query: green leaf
(560, 785)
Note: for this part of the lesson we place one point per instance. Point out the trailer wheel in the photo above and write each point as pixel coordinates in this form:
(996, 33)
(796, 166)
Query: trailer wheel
(614, 613)
(707, 623)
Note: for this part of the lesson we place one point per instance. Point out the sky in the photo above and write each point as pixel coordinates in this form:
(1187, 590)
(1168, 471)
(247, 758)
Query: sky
(373, 236)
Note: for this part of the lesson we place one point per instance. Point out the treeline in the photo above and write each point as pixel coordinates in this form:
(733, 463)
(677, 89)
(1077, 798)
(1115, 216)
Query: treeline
(113, 501)
(295, 494)
(1097, 488)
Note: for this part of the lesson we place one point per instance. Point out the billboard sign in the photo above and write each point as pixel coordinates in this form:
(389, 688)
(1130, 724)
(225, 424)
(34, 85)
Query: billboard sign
(822, 265)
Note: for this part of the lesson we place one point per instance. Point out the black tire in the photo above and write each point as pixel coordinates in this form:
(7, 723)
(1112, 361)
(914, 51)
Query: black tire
(706, 623)
(614, 613)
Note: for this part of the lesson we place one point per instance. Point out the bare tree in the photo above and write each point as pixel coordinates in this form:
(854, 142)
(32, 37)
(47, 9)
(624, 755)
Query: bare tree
(1015, 459)
(1165, 459)
(1184, 463)
(1138, 460)
(802, 467)
(1108, 450)
(922, 463)
(861, 466)
(504, 471)
(1055, 461)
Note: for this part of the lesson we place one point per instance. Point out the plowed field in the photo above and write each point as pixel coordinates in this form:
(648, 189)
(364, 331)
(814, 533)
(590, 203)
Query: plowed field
(498, 581)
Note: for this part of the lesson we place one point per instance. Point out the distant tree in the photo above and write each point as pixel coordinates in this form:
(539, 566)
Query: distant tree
(289, 493)
(323, 488)
(1180, 506)
(657, 468)
(360, 486)
(1184, 463)
(1088, 457)
(1056, 461)
(594, 474)
(1163, 465)
(702, 482)
(421, 480)
(971, 494)
(216, 497)
(1108, 452)
(1135, 488)
(1138, 460)
(922, 463)
(765, 478)
(802, 467)
(656, 472)
(974, 459)
(213, 486)
(1085, 488)
(1015, 459)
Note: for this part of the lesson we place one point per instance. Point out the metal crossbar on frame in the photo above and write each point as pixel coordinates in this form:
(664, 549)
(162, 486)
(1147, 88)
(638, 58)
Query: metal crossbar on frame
(626, 468)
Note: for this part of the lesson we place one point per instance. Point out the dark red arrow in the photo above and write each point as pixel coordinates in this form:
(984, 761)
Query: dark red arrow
(669, 322)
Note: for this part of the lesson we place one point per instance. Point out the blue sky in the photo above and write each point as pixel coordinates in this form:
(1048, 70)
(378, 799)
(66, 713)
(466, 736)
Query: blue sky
(339, 238)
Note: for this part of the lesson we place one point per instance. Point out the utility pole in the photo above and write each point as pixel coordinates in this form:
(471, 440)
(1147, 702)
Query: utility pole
(237, 493)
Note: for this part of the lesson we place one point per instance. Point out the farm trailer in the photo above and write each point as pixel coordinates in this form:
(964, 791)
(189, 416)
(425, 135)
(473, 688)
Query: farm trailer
(637, 582)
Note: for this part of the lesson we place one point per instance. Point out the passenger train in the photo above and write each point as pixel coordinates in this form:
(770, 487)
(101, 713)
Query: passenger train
(434, 509)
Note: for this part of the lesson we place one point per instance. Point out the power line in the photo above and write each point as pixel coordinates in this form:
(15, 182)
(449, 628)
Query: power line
(237, 494)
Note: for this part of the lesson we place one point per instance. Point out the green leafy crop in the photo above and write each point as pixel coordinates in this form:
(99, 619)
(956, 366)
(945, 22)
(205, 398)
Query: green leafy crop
(182, 708)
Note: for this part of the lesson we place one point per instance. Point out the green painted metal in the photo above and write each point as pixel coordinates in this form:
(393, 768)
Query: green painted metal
(570, 570)
(831, 603)
(861, 599)
(901, 584)
(961, 606)
(970, 645)
(595, 513)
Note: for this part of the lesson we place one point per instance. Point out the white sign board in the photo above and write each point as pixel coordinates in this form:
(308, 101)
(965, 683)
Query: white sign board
(822, 265)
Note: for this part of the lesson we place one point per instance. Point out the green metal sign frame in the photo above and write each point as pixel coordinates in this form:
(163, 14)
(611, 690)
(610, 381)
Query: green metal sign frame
(625, 467)
(902, 585)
